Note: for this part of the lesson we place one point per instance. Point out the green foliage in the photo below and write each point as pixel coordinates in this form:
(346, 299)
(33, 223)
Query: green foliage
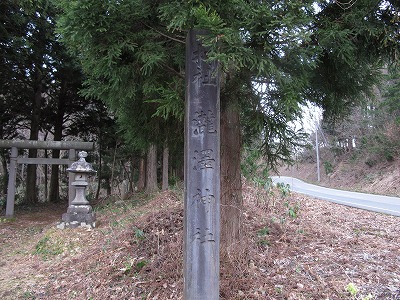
(370, 162)
(352, 289)
(3, 202)
(141, 264)
(255, 170)
(5, 219)
(170, 104)
(284, 189)
(253, 167)
(128, 264)
(293, 210)
(24, 26)
(40, 83)
(46, 247)
(263, 232)
(273, 57)
(139, 234)
(136, 72)
(382, 140)
(360, 33)
(28, 295)
(373, 127)
(266, 117)
(328, 167)
(392, 95)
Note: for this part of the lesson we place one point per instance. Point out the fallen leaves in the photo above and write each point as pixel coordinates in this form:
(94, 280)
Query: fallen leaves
(136, 253)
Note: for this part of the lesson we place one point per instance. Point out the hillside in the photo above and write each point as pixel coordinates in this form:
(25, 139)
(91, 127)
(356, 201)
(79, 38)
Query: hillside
(293, 247)
(348, 172)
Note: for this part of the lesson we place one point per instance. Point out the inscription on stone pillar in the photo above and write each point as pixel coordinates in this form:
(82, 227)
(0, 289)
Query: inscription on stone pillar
(202, 173)
(204, 72)
(204, 201)
(204, 159)
(204, 122)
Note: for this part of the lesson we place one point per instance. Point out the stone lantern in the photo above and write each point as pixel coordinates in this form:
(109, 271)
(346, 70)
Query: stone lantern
(79, 212)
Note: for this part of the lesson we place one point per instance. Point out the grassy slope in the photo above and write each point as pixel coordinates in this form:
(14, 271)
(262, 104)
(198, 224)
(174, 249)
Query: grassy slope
(292, 247)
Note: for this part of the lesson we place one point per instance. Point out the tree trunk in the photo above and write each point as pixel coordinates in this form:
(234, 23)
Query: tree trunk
(46, 177)
(112, 168)
(99, 172)
(142, 175)
(165, 168)
(130, 174)
(31, 195)
(231, 184)
(54, 195)
(151, 171)
(4, 171)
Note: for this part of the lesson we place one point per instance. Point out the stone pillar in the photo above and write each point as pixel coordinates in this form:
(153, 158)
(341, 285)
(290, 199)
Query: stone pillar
(124, 189)
(202, 173)
(71, 189)
(12, 175)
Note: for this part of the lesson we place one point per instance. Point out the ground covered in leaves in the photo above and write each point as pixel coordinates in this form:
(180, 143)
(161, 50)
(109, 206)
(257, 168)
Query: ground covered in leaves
(292, 247)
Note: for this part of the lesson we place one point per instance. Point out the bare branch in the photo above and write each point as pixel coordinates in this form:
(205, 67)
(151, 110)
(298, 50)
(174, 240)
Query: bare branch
(165, 35)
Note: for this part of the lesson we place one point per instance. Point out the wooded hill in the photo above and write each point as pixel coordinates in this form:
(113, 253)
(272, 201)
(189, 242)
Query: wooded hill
(359, 152)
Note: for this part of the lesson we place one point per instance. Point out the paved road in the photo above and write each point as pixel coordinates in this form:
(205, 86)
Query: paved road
(383, 204)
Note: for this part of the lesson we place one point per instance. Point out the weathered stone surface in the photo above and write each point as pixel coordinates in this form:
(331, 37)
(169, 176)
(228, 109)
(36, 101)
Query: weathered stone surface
(80, 209)
(79, 212)
(79, 217)
(202, 173)
(29, 144)
(73, 224)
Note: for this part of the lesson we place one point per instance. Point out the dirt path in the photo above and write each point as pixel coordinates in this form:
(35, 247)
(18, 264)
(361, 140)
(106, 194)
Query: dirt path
(18, 265)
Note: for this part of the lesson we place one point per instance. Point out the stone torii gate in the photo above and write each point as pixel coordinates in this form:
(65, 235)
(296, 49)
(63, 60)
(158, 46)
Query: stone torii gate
(72, 146)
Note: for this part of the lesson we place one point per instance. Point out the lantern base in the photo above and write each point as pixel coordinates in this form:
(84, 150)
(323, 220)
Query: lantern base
(79, 215)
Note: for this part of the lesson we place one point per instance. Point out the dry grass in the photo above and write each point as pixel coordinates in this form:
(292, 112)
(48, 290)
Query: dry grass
(136, 252)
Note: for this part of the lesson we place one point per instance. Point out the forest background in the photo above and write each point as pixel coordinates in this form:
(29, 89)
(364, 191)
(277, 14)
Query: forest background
(113, 72)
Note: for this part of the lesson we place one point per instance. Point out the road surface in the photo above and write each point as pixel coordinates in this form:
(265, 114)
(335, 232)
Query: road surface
(377, 203)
